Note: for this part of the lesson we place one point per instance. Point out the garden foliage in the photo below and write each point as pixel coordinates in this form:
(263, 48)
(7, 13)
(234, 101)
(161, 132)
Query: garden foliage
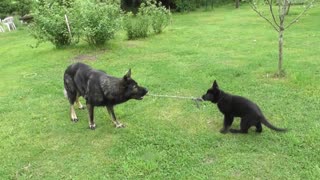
(99, 21)
(96, 22)
(149, 14)
(50, 23)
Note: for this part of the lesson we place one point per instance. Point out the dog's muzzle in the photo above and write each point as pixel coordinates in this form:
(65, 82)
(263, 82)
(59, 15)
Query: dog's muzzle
(144, 92)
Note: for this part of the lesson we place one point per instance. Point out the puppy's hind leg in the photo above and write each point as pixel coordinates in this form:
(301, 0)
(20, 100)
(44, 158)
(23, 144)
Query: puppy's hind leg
(259, 127)
(244, 127)
(113, 117)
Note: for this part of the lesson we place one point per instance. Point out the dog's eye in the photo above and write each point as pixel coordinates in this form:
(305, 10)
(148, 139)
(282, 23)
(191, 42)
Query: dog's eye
(134, 86)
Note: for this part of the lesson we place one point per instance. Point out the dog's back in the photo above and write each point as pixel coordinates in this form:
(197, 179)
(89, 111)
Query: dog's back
(240, 106)
(237, 106)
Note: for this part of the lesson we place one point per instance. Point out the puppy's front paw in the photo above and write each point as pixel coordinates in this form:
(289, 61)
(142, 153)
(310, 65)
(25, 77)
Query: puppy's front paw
(235, 131)
(120, 125)
(223, 131)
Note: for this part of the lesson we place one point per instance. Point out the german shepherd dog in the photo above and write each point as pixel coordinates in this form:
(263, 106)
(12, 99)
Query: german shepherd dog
(98, 89)
(236, 106)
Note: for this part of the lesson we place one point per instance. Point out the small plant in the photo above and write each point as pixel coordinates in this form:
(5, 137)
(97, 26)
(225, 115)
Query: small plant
(99, 21)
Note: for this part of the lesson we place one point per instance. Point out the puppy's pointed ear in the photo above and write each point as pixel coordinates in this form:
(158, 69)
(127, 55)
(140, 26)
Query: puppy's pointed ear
(215, 84)
(128, 75)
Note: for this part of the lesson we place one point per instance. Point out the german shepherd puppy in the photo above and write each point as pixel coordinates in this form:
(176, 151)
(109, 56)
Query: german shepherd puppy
(99, 89)
(236, 106)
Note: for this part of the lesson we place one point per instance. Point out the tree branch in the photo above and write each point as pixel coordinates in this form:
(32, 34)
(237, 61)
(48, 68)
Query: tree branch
(259, 13)
(271, 10)
(284, 10)
(302, 13)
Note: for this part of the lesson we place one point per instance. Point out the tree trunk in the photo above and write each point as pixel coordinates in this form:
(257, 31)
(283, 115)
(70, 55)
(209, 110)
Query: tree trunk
(280, 51)
(237, 3)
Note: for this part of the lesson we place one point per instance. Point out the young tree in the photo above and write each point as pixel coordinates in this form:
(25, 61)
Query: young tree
(278, 24)
(237, 3)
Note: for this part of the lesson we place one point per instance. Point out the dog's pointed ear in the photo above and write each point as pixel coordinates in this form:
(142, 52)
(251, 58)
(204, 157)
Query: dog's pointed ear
(128, 75)
(215, 84)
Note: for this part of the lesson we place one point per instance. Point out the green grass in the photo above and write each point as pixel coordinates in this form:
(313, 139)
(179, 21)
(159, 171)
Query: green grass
(167, 138)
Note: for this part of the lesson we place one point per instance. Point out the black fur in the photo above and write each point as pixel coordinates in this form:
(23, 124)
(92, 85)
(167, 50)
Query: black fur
(99, 89)
(236, 106)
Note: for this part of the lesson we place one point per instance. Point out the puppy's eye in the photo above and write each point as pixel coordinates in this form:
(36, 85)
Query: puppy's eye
(134, 86)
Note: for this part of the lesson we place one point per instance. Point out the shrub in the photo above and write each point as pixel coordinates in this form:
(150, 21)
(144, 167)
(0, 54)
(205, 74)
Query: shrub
(159, 15)
(99, 21)
(185, 5)
(24, 7)
(6, 8)
(50, 24)
(150, 13)
(136, 26)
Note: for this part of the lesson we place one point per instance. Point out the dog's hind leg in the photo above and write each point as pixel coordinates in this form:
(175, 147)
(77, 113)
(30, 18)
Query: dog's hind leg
(79, 103)
(70, 93)
(92, 125)
(73, 114)
(113, 117)
(72, 98)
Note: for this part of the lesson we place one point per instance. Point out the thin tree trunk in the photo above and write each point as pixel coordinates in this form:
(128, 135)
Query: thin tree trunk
(237, 3)
(280, 52)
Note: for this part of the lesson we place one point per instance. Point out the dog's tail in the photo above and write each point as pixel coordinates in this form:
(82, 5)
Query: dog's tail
(65, 93)
(269, 125)
(69, 86)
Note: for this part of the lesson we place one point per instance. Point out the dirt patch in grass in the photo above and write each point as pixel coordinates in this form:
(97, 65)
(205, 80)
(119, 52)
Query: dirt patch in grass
(88, 57)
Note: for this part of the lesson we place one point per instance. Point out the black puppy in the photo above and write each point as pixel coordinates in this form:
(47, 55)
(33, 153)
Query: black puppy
(98, 89)
(236, 106)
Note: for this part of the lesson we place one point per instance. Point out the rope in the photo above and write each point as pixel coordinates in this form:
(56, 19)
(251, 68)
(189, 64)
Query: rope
(195, 99)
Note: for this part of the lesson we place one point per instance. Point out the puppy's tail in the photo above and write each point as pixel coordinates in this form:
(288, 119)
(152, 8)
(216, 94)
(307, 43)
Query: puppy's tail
(269, 125)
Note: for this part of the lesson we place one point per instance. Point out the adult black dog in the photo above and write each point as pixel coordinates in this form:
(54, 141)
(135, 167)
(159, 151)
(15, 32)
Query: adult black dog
(99, 89)
(236, 106)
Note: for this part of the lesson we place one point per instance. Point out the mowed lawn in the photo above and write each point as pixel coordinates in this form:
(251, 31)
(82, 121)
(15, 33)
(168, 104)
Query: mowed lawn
(167, 138)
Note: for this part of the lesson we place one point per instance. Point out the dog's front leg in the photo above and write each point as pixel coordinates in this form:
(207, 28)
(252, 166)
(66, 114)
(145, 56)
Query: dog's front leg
(113, 117)
(228, 120)
(92, 125)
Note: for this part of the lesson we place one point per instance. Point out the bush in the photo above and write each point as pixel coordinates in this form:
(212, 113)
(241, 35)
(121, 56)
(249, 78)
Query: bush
(185, 5)
(6, 8)
(149, 14)
(24, 7)
(99, 21)
(190, 5)
(50, 24)
(159, 15)
(136, 26)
